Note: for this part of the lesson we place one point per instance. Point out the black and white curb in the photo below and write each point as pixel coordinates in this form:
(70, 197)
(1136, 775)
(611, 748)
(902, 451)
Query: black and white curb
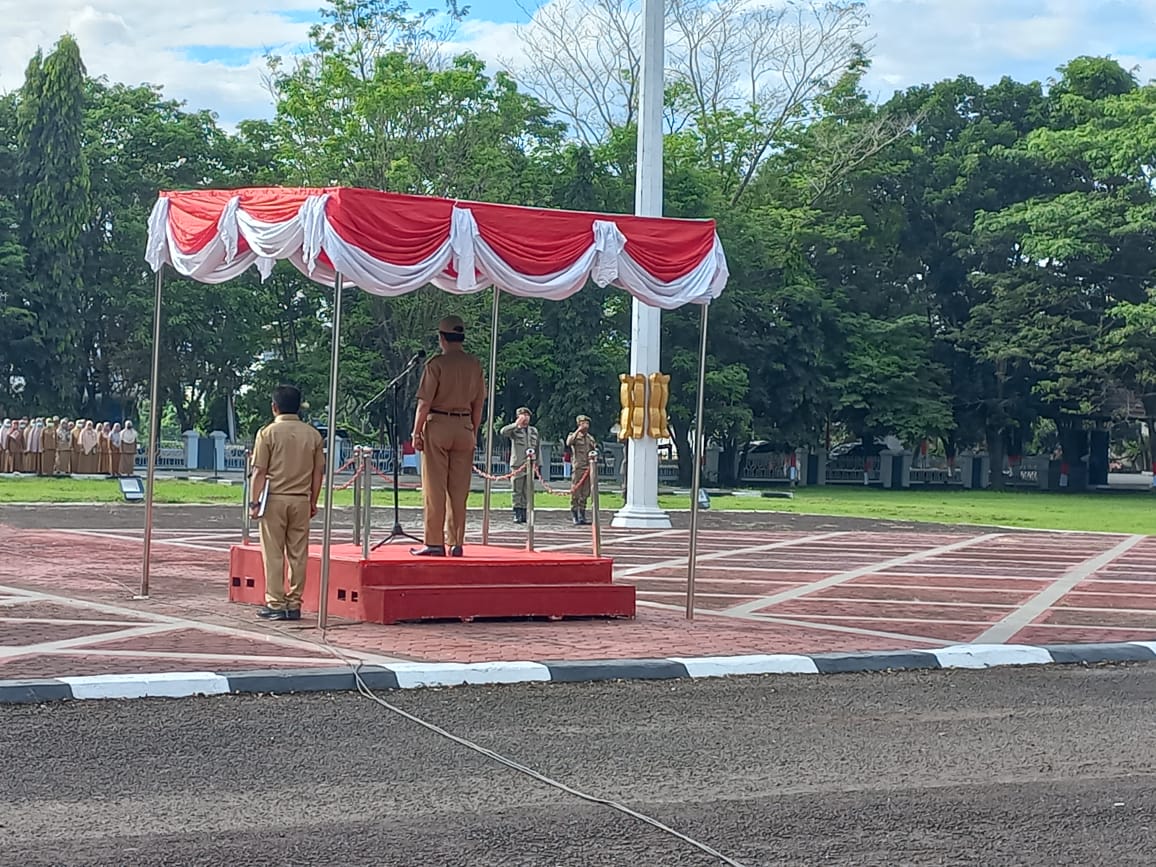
(412, 675)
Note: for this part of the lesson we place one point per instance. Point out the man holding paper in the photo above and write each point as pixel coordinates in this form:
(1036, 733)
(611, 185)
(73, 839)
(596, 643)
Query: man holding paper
(288, 468)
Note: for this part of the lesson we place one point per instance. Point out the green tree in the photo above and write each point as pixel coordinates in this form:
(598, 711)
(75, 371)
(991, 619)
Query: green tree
(1062, 260)
(55, 195)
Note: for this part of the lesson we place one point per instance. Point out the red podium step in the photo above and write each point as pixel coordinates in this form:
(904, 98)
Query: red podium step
(489, 582)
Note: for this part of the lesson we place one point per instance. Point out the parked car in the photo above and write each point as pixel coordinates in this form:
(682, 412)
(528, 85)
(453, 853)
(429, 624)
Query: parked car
(857, 450)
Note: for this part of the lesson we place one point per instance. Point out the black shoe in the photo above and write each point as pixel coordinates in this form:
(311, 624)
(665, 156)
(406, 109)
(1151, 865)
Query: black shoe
(456, 551)
(429, 551)
(274, 614)
(293, 614)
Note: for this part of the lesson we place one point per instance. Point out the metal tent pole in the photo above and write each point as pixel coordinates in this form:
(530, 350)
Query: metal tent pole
(247, 492)
(154, 435)
(334, 458)
(366, 498)
(596, 526)
(356, 495)
(699, 450)
(492, 373)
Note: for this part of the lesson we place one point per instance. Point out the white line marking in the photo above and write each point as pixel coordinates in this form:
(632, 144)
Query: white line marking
(84, 640)
(1003, 631)
(585, 543)
(908, 602)
(718, 555)
(804, 624)
(70, 622)
(271, 637)
(131, 539)
(193, 656)
(842, 577)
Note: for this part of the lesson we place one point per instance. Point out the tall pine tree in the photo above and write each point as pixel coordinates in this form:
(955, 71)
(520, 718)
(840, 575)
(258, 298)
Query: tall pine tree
(55, 208)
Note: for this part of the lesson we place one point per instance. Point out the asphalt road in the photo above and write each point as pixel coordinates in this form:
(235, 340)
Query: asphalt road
(1009, 767)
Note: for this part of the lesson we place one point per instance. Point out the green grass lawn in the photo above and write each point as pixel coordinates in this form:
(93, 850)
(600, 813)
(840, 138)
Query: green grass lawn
(1131, 512)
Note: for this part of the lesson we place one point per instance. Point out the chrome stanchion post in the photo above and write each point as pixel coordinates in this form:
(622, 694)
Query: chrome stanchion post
(247, 489)
(366, 498)
(531, 455)
(492, 374)
(154, 437)
(696, 478)
(595, 524)
(356, 496)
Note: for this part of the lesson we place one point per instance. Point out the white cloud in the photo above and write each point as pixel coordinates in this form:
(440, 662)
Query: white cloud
(173, 43)
(927, 40)
(496, 43)
(162, 42)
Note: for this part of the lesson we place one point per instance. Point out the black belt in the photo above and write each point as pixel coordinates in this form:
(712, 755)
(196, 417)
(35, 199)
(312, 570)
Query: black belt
(454, 414)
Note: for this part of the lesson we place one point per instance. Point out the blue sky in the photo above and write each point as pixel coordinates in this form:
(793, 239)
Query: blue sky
(208, 52)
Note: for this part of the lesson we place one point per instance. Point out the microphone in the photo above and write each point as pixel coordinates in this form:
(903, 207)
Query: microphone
(418, 356)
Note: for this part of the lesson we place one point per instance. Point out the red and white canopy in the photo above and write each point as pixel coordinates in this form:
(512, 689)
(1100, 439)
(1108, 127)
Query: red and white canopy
(390, 244)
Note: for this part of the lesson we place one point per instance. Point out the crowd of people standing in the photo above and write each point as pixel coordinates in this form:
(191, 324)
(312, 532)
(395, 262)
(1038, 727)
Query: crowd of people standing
(63, 447)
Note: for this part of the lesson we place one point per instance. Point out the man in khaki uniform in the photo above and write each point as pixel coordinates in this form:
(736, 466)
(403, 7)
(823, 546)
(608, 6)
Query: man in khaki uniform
(523, 436)
(445, 431)
(289, 456)
(48, 444)
(581, 444)
(64, 448)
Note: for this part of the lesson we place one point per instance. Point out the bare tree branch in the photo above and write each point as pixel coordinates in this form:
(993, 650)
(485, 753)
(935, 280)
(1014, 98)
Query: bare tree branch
(760, 60)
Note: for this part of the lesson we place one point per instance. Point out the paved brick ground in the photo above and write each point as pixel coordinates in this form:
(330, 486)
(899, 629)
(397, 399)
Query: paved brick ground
(67, 606)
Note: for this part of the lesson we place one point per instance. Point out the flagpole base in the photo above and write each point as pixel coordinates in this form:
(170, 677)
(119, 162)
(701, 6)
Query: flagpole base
(641, 518)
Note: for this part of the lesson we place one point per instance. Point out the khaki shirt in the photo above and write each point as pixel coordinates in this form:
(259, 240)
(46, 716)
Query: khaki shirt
(452, 383)
(289, 451)
(581, 445)
(521, 438)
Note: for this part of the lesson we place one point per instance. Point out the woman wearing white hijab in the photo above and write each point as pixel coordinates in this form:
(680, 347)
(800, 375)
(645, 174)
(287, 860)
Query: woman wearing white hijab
(114, 449)
(33, 446)
(89, 450)
(128, 450)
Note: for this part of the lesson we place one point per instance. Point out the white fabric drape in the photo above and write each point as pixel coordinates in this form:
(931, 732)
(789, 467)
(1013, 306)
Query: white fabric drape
(309, 235)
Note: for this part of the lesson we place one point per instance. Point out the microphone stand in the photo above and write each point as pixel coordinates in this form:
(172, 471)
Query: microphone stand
(395, 450)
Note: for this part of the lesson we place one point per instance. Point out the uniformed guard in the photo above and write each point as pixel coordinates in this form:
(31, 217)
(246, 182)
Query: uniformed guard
(622, 471)
(445, 431)
(288, 456)
(581, 444)
(523, 436)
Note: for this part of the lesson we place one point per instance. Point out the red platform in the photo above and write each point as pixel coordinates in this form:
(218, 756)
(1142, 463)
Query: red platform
(488, 582)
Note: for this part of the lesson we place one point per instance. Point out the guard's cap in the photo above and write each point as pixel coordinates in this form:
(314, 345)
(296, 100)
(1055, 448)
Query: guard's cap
(452, 325)
(523, 410)
(582, 418)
